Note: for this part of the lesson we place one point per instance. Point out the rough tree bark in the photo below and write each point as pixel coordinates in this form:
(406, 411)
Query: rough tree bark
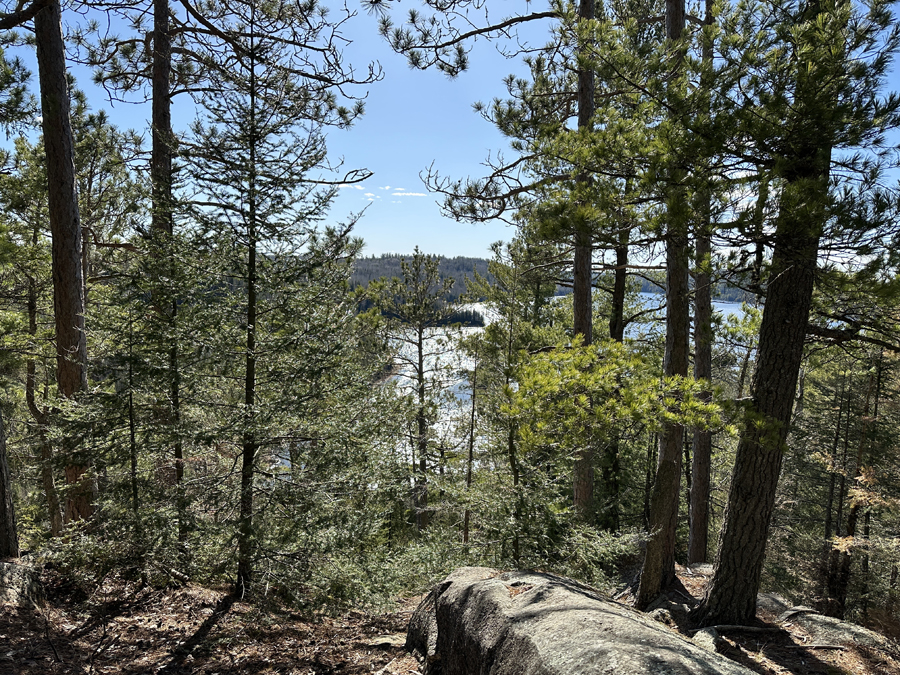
(162, 220)
(804, 169)
(658, 570)
(248, 454)
(65, 229)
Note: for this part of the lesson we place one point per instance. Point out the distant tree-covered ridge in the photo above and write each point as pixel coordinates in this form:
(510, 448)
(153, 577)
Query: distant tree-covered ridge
(366, 269)
(388, 265)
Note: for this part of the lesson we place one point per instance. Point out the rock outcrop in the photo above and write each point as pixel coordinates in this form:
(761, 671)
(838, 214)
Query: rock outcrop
(480, 622)
(20, 584)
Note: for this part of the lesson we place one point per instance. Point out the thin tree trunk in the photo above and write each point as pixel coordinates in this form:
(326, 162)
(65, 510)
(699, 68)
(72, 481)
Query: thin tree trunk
(132, 436)
(248, 454)
(830, 605)
(163, 138)
(824, 563)
(9, 538)
(511, 438)
(65, 229)
(250, 442)
(162, 221)
(698, 532)
(686, 465)
(658, 570)
(583, 480)
(178, 446)
(759, 214)
(841, 577)
(41, 418)
(514, 466)
(471, 458)
(620, 286)
(54, 509)
(864, 566)
(612, 469)
(421, 487)
(698, 537)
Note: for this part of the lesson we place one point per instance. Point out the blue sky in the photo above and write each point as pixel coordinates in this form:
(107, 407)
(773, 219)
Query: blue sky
(413, 119)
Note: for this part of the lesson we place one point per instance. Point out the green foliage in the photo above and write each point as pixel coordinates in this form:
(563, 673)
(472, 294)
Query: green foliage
(17, 105)
(574, 396)
(237, 337)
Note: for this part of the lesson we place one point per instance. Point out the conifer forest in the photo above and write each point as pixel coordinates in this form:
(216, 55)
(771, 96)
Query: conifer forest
(205, 381)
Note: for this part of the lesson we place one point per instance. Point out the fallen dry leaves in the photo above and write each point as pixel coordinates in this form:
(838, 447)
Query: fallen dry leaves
(195, 630)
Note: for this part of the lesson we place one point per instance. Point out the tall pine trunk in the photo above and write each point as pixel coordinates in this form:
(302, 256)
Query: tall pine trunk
(249, 440)
(582, 279)
(698, 536)
(162, 223)
(804, 170)
(731, 597)
(658, 570)
(249, 445)
(65, 229)
(698, 533)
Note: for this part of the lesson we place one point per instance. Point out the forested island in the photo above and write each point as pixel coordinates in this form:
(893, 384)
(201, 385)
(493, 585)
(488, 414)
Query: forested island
(216, 410)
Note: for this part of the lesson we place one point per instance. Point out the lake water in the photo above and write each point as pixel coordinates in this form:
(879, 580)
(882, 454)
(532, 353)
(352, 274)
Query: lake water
(724, 308)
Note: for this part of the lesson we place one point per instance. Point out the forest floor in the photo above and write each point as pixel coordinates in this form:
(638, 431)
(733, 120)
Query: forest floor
(202, 631)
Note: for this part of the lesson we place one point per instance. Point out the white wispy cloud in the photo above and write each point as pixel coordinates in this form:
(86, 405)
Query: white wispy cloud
(386, 187)
(351, 186)
(370, 194)
(409, 194)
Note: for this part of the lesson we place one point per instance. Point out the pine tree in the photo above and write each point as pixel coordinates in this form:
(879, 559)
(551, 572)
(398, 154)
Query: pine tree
(412, 307)
(815, 103)
(255, 154)
(65, 226)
